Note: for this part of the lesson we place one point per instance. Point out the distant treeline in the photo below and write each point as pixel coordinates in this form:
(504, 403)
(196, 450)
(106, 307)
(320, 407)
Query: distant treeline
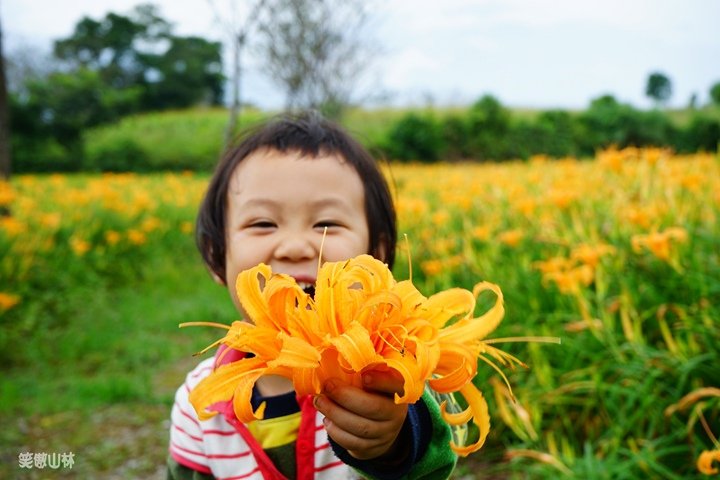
(485, 131)
(121, 93)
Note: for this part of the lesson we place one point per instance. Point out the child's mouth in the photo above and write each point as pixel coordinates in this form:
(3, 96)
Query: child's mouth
(308, 288)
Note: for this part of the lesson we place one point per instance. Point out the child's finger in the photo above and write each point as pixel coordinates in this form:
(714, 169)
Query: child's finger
(388, 382)
(355, 400)
(357, 446)
(338, 419)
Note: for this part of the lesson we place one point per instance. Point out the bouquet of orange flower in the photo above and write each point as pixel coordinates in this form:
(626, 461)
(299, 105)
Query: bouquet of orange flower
(360, 318)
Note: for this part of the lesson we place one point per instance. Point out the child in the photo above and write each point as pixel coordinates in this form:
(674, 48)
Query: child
(289, 186)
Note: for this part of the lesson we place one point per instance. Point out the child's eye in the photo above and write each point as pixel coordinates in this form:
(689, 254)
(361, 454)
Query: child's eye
(262, 224)
(326, 224)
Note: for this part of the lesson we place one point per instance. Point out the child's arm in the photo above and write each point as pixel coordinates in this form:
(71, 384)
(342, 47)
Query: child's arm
(383, 439)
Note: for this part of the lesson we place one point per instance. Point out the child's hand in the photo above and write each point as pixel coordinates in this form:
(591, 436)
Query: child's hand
(366, 422)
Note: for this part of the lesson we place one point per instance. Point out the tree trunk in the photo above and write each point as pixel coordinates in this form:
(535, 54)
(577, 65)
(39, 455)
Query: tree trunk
(235, 105)
(4, 119)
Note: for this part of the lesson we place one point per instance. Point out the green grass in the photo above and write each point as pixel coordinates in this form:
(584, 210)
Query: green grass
(116, 339)
(173, 140)
(92, 354)
(102, 385)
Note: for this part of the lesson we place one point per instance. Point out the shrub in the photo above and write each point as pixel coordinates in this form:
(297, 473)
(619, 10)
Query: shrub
(489, 125)
(552, 133)
(455, 135)
(415, 137)
(642, 129)
(702, 133)
(121, 155)
(43, 154)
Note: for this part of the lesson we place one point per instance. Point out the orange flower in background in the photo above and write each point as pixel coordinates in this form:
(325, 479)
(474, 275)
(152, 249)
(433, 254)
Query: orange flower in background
(566, 273)
(12, 226)
(705, 462)
(112, 237)
(8, 301)
(360, 319)
(79, 245)
(707, 457)
(187, 227)
(431, 267)
(591, 254)
(7, 195)
(511, 238)
(136, 237)
(571, 280)
(481, 232)
(659, 243)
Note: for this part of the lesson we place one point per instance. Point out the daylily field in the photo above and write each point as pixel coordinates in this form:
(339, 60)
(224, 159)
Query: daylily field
(618, 257)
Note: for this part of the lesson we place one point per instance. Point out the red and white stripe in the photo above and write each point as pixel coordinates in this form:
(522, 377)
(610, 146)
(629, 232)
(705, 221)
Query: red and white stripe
(217, 447)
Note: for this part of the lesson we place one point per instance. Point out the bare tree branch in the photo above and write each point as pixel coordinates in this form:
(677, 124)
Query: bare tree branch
(238, 33)
(314, 49)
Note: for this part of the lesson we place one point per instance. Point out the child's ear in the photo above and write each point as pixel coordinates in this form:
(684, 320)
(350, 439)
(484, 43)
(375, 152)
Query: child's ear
(381, 250)
(218, 280)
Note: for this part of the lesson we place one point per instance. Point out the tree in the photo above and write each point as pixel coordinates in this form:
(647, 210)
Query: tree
(188, 73)
(315, 50)
(139, 51)
(49, 120)
(603, 124)
(415, 137)
(107, 46)
(5, 160)
(659, 87)
(715, 94)
(488, 128)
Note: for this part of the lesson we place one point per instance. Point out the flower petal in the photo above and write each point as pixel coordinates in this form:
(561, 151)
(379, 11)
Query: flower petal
(306, 381)
(477, 328)
(355, 347)
(295, 353)
(250, 293)
(408, 369)
(705, 461)
(243, 393)
(459, 418)
(481, 418)
(221, 384)
(446, 305)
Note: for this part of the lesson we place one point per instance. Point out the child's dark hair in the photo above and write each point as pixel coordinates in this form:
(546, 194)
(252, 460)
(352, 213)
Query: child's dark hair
(311, 135)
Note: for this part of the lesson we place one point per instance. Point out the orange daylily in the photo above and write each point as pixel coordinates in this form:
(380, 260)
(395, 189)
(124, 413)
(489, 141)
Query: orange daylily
(359, 319)
(8, 301)
(705, 462)
(659, 243)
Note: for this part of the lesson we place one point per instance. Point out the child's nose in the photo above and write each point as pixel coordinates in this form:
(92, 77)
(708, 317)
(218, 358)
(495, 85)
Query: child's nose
(295, 248)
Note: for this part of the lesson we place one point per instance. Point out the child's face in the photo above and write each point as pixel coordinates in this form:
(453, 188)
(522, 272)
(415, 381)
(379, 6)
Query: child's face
(278, 207)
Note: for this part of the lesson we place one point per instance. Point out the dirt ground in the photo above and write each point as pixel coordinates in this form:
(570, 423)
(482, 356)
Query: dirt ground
(116, 442)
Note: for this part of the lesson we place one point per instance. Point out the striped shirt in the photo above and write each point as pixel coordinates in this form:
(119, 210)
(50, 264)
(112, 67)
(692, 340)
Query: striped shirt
(224, 448)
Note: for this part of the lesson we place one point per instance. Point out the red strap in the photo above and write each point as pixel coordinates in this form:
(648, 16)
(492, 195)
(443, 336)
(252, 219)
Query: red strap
(267, 468)
(305, 443)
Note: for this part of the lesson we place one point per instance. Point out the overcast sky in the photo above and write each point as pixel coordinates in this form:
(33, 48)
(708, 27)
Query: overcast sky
(527, 53)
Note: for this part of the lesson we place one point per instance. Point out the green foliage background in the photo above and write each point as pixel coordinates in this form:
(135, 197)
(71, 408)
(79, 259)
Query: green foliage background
(91, 355)
(191, 139)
